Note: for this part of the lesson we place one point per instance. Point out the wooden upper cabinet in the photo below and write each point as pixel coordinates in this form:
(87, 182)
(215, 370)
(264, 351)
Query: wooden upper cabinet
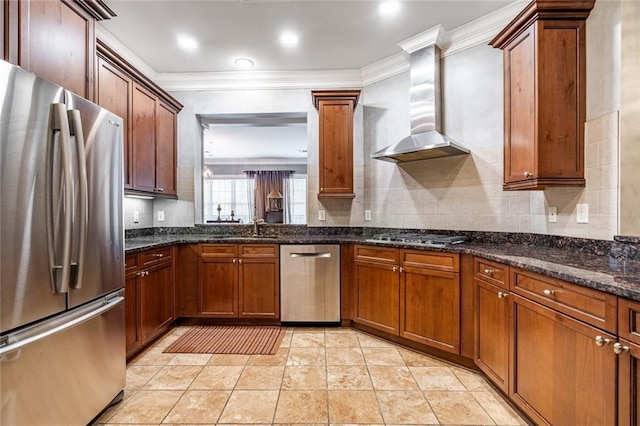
(165, 148)
(544, 95)
(144, 139)
(335, 109)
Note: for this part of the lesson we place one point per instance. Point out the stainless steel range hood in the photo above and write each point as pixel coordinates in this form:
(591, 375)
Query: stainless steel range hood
(426, 140)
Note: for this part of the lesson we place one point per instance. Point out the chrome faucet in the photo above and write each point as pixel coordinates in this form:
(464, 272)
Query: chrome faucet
(256, 222)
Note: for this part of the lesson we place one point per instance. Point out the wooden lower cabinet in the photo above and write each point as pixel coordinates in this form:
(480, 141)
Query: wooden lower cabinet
(131, 292)
(559, 374)
(377, 296)
(492, 332)
(259, 288)
(629, 384)
(218, 280)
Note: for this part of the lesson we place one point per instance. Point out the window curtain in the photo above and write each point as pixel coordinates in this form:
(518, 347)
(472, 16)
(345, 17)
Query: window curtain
(287, 193)
(262, 183)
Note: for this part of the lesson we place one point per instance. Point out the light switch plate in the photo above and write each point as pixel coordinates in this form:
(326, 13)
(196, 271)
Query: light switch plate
(322, 215)
(161, 216)
(582, 215)
(136, 216)
(367, 215)
(553, 214)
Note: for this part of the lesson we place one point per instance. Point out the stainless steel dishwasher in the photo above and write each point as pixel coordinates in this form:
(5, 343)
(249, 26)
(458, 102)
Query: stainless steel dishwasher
(310, 283)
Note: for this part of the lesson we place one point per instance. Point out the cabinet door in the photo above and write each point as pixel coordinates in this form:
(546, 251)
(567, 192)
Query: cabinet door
(492, 332)
(144, 139)
(114, 90)
(131, 312)
(218, 282)
(378, 296)
(259, 283)
(336, 150)
(629, 385)
(57, 42)
(430, 308)
(559, 375)
(165, 149)
(156, 300)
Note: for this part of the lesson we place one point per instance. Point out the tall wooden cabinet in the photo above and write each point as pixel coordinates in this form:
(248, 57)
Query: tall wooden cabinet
(628, 349)
(335, 109)
(545, 95)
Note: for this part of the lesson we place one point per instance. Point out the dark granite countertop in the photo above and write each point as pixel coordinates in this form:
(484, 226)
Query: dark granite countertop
(614, 275)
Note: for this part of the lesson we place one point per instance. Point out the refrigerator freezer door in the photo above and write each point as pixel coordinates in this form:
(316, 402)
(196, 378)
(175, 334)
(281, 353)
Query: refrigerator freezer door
(101, 263)
(43, 382)
(25, 284)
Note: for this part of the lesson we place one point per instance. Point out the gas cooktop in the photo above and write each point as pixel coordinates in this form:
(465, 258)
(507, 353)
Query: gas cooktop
(422, 240)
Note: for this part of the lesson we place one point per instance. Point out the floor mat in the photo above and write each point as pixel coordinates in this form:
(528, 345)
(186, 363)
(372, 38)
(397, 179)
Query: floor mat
(229, 340)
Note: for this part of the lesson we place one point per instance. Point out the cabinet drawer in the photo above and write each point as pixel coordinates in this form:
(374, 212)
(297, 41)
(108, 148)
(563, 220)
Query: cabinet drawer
(376, 254)
(259, 250)
(218, 250)
(432, 260)
(491, 272)
(157, 255)
(130, 262)
(591, 306)
(629, 320)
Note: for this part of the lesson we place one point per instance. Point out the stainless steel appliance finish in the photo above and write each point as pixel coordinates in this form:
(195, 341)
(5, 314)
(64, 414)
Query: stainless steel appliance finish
(426, 140)
(310, 283)
(61, 248)
(420, 240)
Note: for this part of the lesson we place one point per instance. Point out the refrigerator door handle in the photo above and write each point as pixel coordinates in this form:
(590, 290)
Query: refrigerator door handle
(82, 212)
(60, 271)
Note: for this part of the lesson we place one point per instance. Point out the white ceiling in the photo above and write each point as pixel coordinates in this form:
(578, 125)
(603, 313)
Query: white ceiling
(333, 34)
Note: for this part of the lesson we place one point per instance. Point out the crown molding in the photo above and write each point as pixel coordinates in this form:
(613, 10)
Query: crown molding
(474, 33)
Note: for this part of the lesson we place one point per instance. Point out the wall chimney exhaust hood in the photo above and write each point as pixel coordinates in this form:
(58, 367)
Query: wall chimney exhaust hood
(426, 140)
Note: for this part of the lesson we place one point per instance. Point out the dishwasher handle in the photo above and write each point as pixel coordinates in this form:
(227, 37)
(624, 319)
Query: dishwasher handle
(311, 255)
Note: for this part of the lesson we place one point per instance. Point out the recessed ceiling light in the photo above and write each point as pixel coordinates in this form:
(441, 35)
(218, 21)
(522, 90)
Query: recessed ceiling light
(389, 7)
(244, 63)
(289, 39)
(186, 42)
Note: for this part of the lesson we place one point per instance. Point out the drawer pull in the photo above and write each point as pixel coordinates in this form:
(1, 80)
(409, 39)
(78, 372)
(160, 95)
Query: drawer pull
(548, 292)
(601, 341)
(489, 272)
(619, 349)
(158, 255)
(502, 295)
(234, 260)
(401, 269)
(394, 269)
(239, 260)
(528, 174)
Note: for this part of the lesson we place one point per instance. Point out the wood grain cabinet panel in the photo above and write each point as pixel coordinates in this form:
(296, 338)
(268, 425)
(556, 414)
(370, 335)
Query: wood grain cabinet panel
(335, 108)
(132, 304)
(144, 139)
(218, 279)
(259, 287)
(377, 296)
(544, 52)
(629, 384)
(165, 149)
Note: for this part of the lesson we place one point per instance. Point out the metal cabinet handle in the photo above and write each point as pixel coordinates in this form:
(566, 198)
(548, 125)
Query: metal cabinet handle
(234, 260)
(601, 341)
(401, 269)
(618, 348)
(139, 274)
(489, 271)
(394, 269)
(528, 175)
(158, 255)
(548, 292)
(239, 260)
(502, 295)
(159, 189)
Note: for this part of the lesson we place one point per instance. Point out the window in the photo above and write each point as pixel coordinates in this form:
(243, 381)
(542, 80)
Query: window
(298, 194)
(230, 193)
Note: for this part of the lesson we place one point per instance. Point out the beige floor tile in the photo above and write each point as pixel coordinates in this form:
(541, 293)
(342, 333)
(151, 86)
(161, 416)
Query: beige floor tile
(353, 407)
(260, 377)
(139, 375)
(392, 378)
(472, 381)
(279, 358)
(225, 359)
(307, 340)
(147, 407)
(345, 356)
(457, 408)
(217, 377)
(497, 408)
(306, 356)
(166, 340)
(367, 341)
(302, 407)
(198, 407)
(304, 377)
(348, 378)
(111, 411)
(246, 406)
(174, 377)
(341, 340)
(415, 359)
(190, 359)
(405, 407)
(153, 356)
(286, 340)
(436, 379)
(382, 356)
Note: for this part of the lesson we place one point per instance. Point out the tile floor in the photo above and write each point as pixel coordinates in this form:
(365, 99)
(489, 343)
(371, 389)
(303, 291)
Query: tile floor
(319, 376)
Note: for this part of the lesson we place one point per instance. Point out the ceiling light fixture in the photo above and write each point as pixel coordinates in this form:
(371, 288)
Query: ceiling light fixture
(289, 39)
(389, 7)
(186, 42)
(244, 63)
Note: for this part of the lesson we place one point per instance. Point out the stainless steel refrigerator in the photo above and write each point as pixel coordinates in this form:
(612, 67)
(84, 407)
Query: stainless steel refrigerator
(62, 335)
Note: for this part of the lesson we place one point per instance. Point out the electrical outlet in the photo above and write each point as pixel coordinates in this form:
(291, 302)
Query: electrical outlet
(367, 215)
(582, 215)
(136, 216)
(322, 215)
(553, 214)
(161, 216)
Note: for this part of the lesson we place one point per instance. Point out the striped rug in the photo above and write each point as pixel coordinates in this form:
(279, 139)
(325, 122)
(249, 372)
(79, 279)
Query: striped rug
(229, 340)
